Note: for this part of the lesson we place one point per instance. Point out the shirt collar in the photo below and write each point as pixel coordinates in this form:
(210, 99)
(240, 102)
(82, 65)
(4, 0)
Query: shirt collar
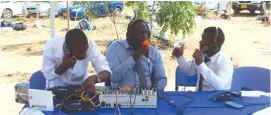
(126, 45)
(215, 57)
(59, 51)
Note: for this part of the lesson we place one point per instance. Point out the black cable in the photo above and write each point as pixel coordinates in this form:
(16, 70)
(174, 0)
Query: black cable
(28, 110)
(156, 86)
(149, 67)
(181, 107)
(173, 104)
(226, 106)
(188, 74)
(22, 109)
(132, 105)
(156, 109)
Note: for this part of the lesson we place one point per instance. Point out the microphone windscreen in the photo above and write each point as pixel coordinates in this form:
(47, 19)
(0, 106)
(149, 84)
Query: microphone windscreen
(146, 43)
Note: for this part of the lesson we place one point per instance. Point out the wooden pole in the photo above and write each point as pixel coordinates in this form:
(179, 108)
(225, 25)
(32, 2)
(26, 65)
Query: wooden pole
(68, 17)
(52, 16)
(38, 10)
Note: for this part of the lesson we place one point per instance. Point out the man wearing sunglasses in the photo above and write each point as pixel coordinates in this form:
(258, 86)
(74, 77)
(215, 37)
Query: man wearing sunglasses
(134, 65)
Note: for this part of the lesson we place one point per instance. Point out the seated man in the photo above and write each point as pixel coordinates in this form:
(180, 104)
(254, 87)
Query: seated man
(215, 72)
(66, 59)
(134, 65)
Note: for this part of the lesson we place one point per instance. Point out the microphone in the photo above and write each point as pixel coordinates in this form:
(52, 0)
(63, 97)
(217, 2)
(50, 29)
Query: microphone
(146, 43)
(204, 49)
(246, 89)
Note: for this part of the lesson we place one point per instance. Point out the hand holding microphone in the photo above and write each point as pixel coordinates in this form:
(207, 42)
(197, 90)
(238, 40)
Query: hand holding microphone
(142, 50)
(198, 54)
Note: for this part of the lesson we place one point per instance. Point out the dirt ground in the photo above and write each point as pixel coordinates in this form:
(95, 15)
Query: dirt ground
(247, 43)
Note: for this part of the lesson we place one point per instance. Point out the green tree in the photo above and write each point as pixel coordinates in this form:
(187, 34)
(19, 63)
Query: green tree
(176, 17)
(173, 16)
(140, 9)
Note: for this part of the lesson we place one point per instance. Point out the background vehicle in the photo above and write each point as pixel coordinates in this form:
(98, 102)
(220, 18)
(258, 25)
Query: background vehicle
(43, 6)
(8, 9)
(251, 6)
(214, 5)
(62, 11)
(99, 10)
(155, 8)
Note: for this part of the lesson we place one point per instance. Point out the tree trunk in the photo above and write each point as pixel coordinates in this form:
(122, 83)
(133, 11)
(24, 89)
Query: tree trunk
(230, 9)
(112, 19)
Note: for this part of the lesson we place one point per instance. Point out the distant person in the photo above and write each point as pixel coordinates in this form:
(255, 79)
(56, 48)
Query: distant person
(213, 68)
(66, 60)
(132, 63)
(84, 24)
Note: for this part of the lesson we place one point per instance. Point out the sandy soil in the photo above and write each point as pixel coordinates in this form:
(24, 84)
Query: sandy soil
(247, 43)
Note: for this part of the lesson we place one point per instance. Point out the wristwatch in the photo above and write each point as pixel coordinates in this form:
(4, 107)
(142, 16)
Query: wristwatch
(98, 78)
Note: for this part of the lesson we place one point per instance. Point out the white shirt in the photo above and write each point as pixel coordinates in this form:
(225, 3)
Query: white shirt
(53, 55)
(217, 73)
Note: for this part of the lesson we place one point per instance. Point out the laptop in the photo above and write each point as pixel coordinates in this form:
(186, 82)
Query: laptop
(41, 99)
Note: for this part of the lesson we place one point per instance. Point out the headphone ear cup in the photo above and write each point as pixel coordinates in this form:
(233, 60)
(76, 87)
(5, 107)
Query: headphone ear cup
(149, 32)
(127, 34)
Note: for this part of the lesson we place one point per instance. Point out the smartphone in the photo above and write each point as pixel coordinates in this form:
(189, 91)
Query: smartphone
(234, 105)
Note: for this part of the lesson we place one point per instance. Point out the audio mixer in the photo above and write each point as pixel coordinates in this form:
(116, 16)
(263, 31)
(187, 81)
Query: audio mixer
(138, 98)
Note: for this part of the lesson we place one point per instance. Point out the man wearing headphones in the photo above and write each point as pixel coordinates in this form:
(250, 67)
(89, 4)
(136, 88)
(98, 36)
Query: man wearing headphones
(66, 59)
(132, 64)
(213, 68)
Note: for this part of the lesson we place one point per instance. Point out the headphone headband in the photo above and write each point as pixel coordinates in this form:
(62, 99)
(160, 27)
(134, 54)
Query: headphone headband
(216, 34)
(133, 22)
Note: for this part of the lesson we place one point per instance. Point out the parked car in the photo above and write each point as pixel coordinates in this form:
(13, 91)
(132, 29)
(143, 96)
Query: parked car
(215, 6)
(251, 6)
(8, 9)
(63, 8)
(79, 12)
(44, 8)
(150, 5)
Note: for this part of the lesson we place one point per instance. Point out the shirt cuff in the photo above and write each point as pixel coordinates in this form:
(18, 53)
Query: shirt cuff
(181, 60)
(54, 74)
(130, 62)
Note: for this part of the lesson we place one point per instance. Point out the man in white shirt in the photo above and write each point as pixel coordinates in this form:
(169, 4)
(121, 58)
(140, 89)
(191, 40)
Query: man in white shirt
(65, 61)
(213, 68)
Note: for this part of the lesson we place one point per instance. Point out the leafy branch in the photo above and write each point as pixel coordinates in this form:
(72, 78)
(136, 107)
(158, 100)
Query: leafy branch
(176, 17)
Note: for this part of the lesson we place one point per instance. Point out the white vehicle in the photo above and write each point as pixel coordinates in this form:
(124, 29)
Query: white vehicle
(150, 5)
(8, 9)
(43, 6)
(214, 5)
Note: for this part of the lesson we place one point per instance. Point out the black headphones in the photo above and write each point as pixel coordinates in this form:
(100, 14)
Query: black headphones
(132, 23)
(67, 49)
(213, 44)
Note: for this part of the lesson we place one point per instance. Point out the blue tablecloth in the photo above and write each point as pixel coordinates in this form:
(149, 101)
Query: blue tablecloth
(201, 105)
